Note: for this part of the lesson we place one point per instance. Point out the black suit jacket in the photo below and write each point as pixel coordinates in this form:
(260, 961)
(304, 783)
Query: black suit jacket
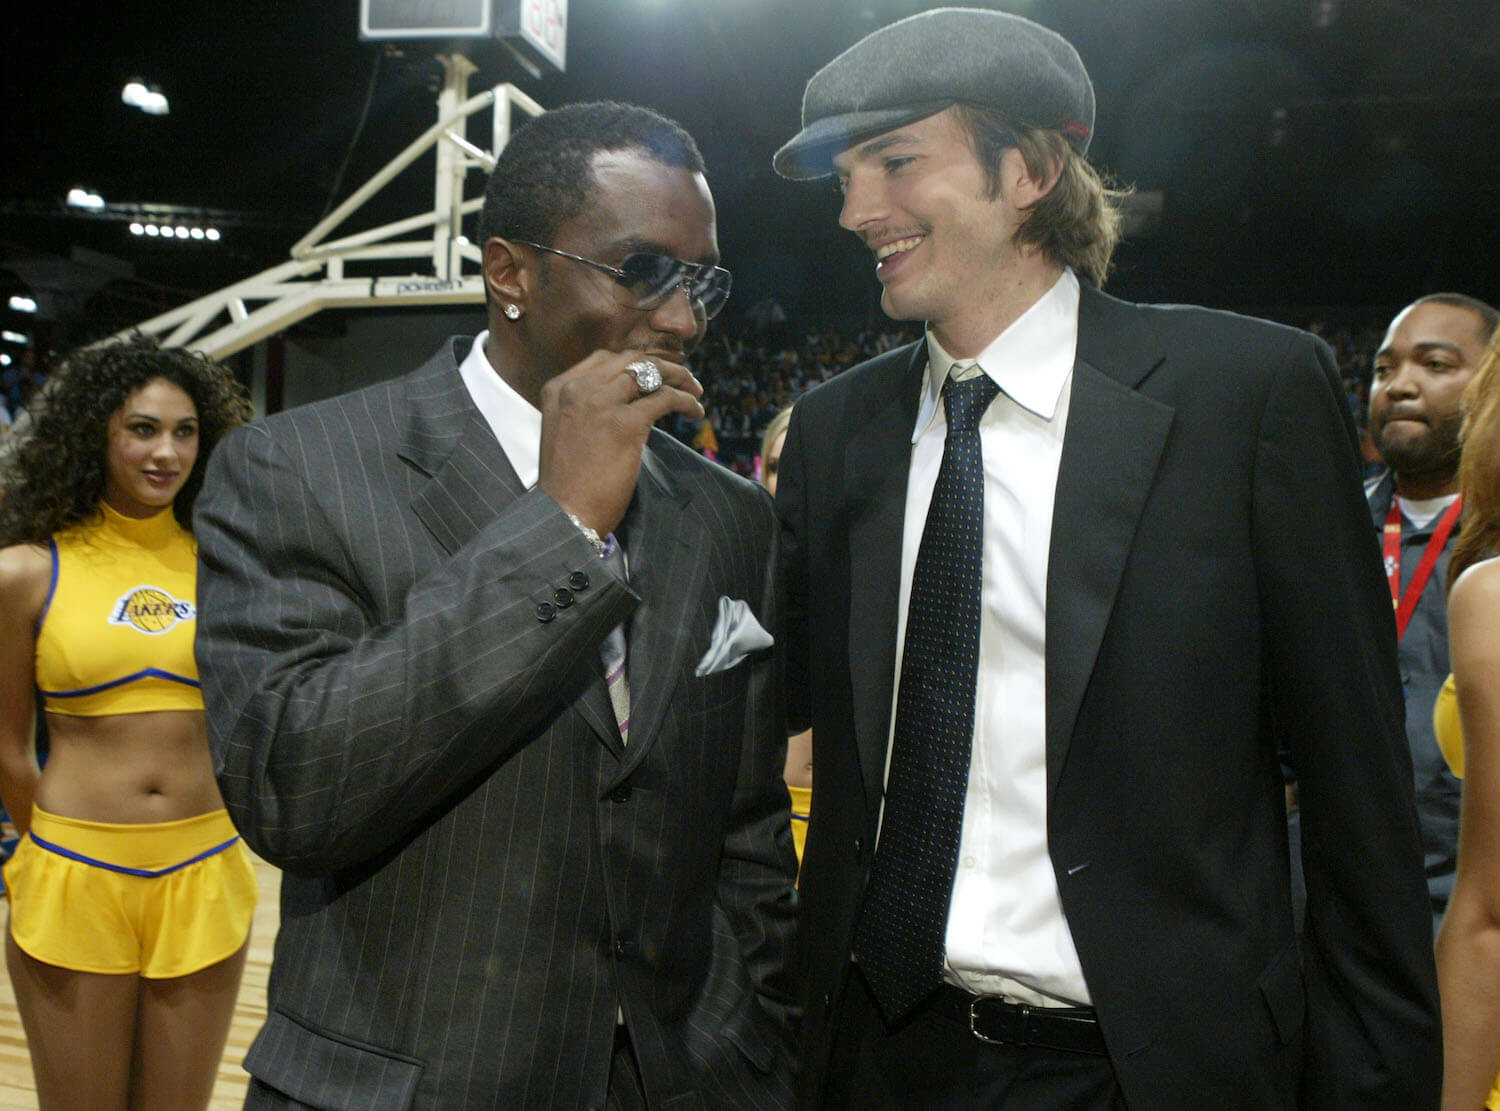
(1213, 589)
(399, 649)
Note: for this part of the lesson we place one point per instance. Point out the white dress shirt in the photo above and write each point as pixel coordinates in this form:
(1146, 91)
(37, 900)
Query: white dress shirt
(516, 423)
(1006, 931)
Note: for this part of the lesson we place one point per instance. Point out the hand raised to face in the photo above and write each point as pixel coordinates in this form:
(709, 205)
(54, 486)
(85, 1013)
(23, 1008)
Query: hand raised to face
(595, 420)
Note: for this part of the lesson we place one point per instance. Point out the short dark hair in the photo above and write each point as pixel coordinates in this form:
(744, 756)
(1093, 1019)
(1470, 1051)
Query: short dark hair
(1077, 223)
(55, 476)
(1486, 312)
(544, 174)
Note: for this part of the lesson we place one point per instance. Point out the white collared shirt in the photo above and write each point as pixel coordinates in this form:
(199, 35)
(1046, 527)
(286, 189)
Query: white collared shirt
(516, 423)
(1006, 931)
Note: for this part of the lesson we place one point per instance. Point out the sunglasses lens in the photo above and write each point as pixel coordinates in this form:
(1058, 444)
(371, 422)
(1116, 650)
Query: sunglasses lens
(711, 290)
(651, 279)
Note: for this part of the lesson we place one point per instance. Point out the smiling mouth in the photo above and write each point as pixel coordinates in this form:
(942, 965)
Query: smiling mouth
(888, 254)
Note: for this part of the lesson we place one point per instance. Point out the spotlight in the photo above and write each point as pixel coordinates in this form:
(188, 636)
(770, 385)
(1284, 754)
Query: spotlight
(5, 360)
(152, 230)
(151, 101)
(196, 233)
(79, 197)
(22, 304)
(15, 337)
(137, 228)
(212, 234)
(180, 232)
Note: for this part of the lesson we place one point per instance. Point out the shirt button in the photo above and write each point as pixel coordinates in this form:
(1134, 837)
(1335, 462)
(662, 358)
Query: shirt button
(579, 580)
(563, 597)
(970, 862)
(622, 947)
(620, 794)
(545, 612)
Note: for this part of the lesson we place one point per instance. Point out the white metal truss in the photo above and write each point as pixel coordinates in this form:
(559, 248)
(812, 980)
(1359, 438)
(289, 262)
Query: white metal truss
(238, 315)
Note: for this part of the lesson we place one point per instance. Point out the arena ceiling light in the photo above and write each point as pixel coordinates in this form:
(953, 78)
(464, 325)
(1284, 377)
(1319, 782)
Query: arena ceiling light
(175, 231)
(21, 303)
(79, 197)
(150, 100)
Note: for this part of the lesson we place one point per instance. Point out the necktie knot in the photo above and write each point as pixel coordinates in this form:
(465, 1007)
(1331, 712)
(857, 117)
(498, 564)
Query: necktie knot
(967, 400)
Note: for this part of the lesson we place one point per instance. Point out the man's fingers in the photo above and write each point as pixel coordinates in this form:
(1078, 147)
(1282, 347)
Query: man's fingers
(668, 399)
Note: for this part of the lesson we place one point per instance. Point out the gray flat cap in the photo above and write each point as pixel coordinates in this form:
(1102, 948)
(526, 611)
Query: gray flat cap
(1030, 76)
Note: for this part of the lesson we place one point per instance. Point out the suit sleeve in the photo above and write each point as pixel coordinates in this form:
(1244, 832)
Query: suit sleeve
(336, 734)
(1372, 1033)
(759, 864)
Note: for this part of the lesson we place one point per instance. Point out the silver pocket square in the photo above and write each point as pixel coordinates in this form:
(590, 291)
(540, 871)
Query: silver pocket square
(736, 634)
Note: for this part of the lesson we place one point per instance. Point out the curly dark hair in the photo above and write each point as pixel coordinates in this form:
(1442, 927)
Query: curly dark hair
(54, 478)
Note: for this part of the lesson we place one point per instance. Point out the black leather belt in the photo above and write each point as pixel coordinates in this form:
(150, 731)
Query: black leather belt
(991, 1019)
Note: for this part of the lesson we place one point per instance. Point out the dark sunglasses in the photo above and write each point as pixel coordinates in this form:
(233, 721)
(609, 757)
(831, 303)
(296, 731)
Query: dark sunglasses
(645, 281)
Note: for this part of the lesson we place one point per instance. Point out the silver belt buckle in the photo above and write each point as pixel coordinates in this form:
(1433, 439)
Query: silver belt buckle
(1022, 1012)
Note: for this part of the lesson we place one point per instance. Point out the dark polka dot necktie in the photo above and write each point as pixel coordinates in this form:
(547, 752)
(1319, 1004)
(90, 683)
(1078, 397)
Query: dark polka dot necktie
(899, 940)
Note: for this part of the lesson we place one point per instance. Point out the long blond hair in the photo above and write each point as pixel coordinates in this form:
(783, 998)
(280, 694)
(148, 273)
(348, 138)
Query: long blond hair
(1479, 467)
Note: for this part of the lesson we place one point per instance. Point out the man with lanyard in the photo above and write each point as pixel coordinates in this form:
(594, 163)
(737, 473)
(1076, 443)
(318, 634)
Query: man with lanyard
(1428, 355)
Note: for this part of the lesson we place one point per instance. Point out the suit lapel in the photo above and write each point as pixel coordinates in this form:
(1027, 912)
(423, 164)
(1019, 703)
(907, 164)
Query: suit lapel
(663, 539)
(876, 461)
(469, 481)
(1111, 450)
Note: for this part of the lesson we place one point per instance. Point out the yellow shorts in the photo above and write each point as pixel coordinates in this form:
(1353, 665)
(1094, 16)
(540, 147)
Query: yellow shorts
(160, 900)
(801, 809)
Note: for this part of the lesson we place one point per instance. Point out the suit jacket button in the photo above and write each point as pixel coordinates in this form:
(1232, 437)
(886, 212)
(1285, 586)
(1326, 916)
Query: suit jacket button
(828, 1001)
(622, 947)
(578, 580)
(563, 597)
(620, 794)
(545, 611)
(859, 847)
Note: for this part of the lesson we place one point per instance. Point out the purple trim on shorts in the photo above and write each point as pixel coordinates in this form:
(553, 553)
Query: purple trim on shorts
(145, 873)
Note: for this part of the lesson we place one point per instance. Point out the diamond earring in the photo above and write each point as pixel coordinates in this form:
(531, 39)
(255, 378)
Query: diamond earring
(512, 312)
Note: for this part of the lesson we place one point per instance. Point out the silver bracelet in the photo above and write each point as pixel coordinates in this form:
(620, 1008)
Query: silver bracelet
(588, 534)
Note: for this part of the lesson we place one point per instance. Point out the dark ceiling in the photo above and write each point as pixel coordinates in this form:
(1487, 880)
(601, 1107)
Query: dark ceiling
(1308, 153)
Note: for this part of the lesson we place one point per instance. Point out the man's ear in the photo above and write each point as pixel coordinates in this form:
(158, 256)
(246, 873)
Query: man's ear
(1023, 187)
(507, 277)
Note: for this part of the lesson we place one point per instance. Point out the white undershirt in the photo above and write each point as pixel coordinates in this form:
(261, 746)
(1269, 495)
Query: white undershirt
(1006, 930)
(1421, 512)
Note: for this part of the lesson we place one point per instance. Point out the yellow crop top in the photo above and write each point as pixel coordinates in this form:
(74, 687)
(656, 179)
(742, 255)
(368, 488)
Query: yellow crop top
(116, 634)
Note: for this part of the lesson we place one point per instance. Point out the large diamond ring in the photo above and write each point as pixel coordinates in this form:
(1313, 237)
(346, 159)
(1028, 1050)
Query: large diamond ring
(647, 376)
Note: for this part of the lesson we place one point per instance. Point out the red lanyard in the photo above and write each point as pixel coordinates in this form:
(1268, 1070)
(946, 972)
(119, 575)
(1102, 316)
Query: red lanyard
(1406, 604)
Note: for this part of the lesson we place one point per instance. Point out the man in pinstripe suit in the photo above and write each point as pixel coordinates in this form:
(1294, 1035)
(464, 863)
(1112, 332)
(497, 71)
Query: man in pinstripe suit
(506, 885)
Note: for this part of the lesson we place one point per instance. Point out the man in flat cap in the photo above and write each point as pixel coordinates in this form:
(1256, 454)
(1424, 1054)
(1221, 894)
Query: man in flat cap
(1061, 578)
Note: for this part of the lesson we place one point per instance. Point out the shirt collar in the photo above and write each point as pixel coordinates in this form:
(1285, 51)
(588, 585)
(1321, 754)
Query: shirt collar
(1031, 361)
(517, 425)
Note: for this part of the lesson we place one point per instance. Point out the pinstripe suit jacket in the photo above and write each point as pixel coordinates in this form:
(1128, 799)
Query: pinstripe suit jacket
(477, 874)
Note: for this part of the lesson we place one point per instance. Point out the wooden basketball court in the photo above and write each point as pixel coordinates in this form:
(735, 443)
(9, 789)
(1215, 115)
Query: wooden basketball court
(18, 1093)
